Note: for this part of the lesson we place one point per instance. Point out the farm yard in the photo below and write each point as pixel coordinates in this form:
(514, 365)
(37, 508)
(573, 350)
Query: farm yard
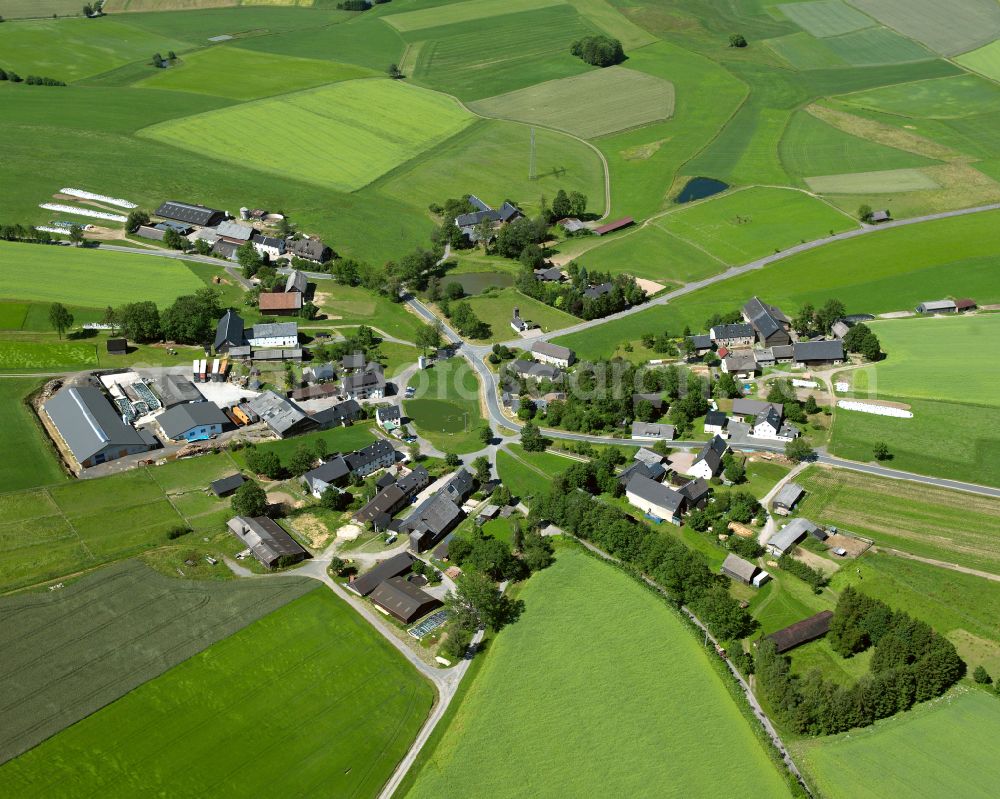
(445, 406)
(69, 653)
(937, 750)
(535, 733)
(161, 736)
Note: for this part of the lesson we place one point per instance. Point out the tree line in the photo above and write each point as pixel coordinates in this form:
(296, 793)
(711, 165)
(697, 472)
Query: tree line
(911, 663)
(31, 80)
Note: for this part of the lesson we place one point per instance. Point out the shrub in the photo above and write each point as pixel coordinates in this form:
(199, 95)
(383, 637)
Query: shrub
(177, 532)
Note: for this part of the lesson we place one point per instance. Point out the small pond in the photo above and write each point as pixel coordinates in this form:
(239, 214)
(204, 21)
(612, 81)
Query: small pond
(699, 189)
(478, 282)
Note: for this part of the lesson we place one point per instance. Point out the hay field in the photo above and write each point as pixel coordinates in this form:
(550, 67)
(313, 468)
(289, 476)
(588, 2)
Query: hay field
(469, 11)
(947, 28)
(588, 105)
(826, 17)
(247, 75)
(27, 356)
(39, 9)
(876, 46)
(536, 723)
(341, 136)
(881, 181)
(939, 750)
(985, 60)
(69, 653)
(937, 98)
(319, 669)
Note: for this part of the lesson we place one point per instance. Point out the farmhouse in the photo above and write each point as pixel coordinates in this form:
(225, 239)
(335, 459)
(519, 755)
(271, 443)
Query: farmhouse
(802, 632)
(431, 520)
(297, 282)
(309, 249)
(596, 292)
(229, 332)
(818, 353)
(192, 214)
(708, 462)
(273, 334)
(391, 567)
(268, 542)
(225, 249)
(730, 336)
(651, 471)
(716, 421)
(519, 325)
(644, 430)
(696, 492)
(744, 571)
(571, 224)
(268, 245)
(535, 371)
(378, 455)
(192, 421)
(547, 352)
(367, 384)
(319, 372)
(748, 407)
(468, 222)
(333, 472)
(550, 274)
(769, 324)
(403, 600)
(389, 418)
(768, 424)
(786, 539)
(742, 364)
(227, 485)
(392, 496)
(284, 418)
(880, 216)
(937, 306)
(655, 499)
(701, 344)
(654, 399)
(314, 392)
(279, 302)
(787, 498)
(234, 232)
(459, 487)
(91, 428)
(352, 361)
(343, 413)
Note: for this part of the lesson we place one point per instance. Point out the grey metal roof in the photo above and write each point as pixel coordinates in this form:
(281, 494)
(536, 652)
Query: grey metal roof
(789, 494)
(365, 456)
(266, 538)
(702, 341)
(274, 330)
(538, 371)
(89, 423)
(819, 350)
(364, 381)
(328, 472)
(647, 430)
(737, 567)
(695, 490)
(647, 456)
(741, 362)
(174, 389)
(385, 501)
(789, 535)
(392, 567)
(346, 411)
(185, 212)
(234, 230)
(279, 414)
(594, 292)
(179, 419)
(297, 281)
(355, 360)
(436, 515)
(655, 493)
(460, 486)
(749, 407)
(552, 350)
(229, 330)
(938, 305)
(414, 481)
(311, 249)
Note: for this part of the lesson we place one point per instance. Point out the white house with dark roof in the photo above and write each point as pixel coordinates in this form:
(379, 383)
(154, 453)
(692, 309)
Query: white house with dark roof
(270, 246)
(547, 352)
(708, 462)
(655, 499)
(273, 334)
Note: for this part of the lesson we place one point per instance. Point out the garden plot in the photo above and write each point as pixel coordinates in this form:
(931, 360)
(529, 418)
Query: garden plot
(341, 136)
(589, 105)
(946, 27)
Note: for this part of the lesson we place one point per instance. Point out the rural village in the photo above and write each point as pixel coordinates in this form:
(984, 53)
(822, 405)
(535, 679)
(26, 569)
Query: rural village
(560, 367)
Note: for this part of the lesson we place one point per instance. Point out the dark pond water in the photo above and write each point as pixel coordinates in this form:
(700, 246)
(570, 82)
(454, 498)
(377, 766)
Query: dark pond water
(699, 188)
(476, 282)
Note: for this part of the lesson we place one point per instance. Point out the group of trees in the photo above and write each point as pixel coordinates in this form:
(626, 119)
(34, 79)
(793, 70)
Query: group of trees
(191, 319)
(363, 339)
(249, 500)
(729, 506)
(464, 319)
(476, 603)
(31, 80)
(911, 663)
(861, 339)
(816, 579)
(161, 63)
(683, 573)
(570, 296)
(811, 320)
(564, 205)
(24, 233)
(600, 50)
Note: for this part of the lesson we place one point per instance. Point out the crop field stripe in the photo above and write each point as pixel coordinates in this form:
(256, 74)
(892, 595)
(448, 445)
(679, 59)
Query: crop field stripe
(948, 28)
(985, 60)
(934, 98)
(469, 11)
(877, 46)
(885, 181)
(826, 17)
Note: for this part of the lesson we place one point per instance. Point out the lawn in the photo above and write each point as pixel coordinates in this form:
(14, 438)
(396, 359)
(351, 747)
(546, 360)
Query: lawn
(40, 47)
(496, 307)
(540, 725)
(932, 358)
(68, 654)
(939, 749)
(937, 98)
(36, 462)
(29, 356)
(985, 60)
(948, 28)
(490, 159)
(445, 407)
(589, 105)
(247, 75)
(739, 227)
(342, 136)
(947, 257)
(91, 277)
(528, 473)
(349, 306)
(324, 669)
(931, 522)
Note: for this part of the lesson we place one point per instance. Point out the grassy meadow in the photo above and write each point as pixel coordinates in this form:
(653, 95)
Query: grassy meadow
(36, 462)
(528, 473)
(985, 60)
(324, 669)
(445, 406)
(959, 26)
(70, 653)
(349, 306)
(558, 740)
(496, 307)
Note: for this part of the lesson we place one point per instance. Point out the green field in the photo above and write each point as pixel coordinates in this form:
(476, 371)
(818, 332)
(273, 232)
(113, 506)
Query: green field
(29, 356)
(876, 182)
(739, 227)
(348, 306)
(932, 358)
(938, 749)
(946, 257)
(948, 28)
(875, 47)
(589, 105)
(90, 276)
(247, 75)
(826, 17)
(343, 136)
(469, 11)
(67, 654)
(40, 47)
(36, 462)
(985, 60)
(938, 98)
(496, 306)
(541, 725)
(445, 407)
(27, 9)
(529, 473)
(931, 522)
(324, 669)
(490, 159)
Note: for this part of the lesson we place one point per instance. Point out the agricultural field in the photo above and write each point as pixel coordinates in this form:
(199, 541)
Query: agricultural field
(589, 105)
(826, 17)
(875, 182)
(35, 9)
(940, 749)
(925, 360)
(36, 462)
(85, 276)
(496, 306)
(548, 732)
(953, 256)
(875, 47)
(343, 136)
(68, 654)
(985, 60)
(937, 98)
(164, 737)
(247, 75)
(468, 11)
(445, 407)
(951, 526)
(490, 159)
(948, 29)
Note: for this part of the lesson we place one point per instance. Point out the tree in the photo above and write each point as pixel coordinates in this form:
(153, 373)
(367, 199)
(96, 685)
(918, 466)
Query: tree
(158, 61)
(516, 534)
(865, 212)
(476, 601)
(809, 406)
(726, 386)
(561, 207)
(60, 318)
(452, 461)
(249, 259)
(192, 318)
(302, 461)
(171, 56)
(76, 235)
(482, 468)
(981, 676)
(249, 500)
(174, 240)
(735, 471)
(501, 496)
(805, 321)
(881, 451)
(577, 203)
(110, 318)
(394, 71)
(264, 462)
(871, 348)
(531, 438)
(428, 337)
(486, 435)
(335, 500)
(831, 311)
(453, 290)
(139, 321)
(798, 450)
(737, 40)
(135, 219)
(537, 552)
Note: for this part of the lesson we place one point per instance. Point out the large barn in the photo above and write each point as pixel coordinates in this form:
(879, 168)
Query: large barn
(91, 427)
